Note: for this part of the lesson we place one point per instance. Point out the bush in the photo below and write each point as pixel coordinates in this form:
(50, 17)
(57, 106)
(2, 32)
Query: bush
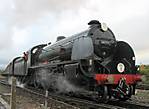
(145, 72)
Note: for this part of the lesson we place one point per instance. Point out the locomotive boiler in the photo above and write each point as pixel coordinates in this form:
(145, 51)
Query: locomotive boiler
(92, 60)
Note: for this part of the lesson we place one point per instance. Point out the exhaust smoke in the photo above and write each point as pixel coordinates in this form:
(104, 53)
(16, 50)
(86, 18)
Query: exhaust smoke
(18, 83)
(56, 81)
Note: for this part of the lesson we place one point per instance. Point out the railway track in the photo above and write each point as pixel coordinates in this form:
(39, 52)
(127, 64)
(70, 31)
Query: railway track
(129, 104)
(143, 87)
(65, 102)
(76, 103)
(79, 103)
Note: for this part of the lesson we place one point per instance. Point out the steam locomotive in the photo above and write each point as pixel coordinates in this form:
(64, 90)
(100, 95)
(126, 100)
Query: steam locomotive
(92, 60)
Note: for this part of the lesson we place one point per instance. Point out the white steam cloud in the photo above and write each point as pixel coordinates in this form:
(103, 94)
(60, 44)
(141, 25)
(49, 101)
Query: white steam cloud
(57, 81)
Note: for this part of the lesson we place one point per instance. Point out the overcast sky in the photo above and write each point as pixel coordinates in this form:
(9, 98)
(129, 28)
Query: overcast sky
(26, 23)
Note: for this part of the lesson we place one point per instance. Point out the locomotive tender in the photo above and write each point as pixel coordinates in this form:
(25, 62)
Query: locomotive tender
(93, 60)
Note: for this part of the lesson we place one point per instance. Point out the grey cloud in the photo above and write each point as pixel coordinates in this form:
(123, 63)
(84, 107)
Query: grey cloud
(3, 61)
(28, 11)
(6, 40)
(23, 13)
(6, 24)
(135, 31)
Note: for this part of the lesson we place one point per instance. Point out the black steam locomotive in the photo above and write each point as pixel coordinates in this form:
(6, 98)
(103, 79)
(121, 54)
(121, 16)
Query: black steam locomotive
(92, 60)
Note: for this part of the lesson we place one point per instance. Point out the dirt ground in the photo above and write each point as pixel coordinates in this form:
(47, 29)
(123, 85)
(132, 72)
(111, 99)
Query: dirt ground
(27, 102)
(141, 96)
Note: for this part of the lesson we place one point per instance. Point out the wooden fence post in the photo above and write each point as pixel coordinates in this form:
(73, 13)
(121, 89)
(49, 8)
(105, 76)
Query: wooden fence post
(46, 100)
(13, 94)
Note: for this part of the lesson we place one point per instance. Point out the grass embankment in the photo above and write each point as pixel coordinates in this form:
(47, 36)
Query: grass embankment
(145, 71)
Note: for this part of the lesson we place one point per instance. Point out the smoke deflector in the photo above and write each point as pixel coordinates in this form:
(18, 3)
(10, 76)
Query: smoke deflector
(82, 48)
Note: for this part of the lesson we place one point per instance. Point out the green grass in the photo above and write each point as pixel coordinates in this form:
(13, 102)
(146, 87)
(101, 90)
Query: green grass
(145, 72)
